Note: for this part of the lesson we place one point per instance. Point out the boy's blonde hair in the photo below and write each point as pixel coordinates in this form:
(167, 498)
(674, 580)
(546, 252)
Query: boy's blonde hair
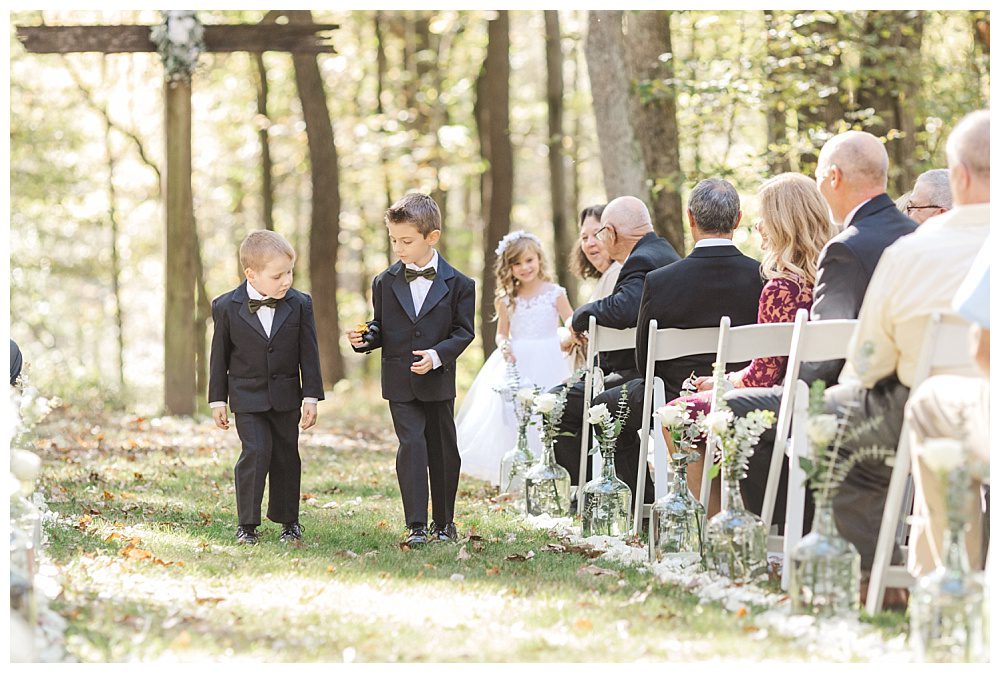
(417, 209)
(260, 246)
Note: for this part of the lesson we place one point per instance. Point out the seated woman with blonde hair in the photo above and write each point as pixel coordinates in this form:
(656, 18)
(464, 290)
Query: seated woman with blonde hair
(794, 226)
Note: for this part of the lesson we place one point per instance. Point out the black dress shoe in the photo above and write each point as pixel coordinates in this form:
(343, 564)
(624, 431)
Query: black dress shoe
(417, 536)
(290, 532)
(445, 533)
(247, 535)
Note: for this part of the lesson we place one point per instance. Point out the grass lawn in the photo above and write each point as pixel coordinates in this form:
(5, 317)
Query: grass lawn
(151, 570)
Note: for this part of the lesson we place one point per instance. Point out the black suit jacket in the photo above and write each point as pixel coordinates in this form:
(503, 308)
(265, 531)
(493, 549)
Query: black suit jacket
(846, 265)
(697, 291)
(256, 373)
(620, 309)
(445, 324)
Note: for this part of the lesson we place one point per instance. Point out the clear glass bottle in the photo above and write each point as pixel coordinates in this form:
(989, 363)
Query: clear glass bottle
(515, 464)
(678, 519)
(22, 574)
(546, 487)
(736, 539)
(826, 570)
(607, 501)
(947, 606)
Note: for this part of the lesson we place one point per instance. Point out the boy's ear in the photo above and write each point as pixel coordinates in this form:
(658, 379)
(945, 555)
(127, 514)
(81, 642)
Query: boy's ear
(249, 273)
(433, 237)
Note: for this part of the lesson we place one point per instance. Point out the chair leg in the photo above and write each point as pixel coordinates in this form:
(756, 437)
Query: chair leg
(890, 519)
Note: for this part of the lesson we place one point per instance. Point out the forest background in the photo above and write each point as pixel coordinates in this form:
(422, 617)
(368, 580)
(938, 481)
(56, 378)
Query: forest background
(511, 119)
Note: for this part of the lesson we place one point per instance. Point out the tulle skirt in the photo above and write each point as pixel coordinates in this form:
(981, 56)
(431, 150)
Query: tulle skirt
(486, 425)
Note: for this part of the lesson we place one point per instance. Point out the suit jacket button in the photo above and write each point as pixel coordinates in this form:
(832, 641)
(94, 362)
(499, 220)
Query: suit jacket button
(417, 333)
(274, 376)
(270, 349)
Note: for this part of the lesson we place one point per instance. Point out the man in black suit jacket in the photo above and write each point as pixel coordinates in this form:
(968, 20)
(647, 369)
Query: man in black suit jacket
(265, 362)
(852, 174)
(424, 312)
(715, 280)
(627, 233)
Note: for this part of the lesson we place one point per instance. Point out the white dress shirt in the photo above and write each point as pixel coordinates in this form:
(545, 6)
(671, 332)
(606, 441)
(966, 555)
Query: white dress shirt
(419, 288)
(713, 242)
(854, 211)
(266, 316)
(916, 276)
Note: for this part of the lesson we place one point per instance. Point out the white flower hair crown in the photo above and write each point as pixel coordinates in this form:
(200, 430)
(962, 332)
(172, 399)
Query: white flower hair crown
(513, 236)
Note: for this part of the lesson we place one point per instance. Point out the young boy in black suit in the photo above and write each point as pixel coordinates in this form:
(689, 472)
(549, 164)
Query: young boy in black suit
(264, 359)
(424, 311)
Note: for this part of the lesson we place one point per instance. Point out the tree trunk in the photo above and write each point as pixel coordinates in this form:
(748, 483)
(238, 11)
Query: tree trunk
(263, 124)
(775, 72)
(492, 109)
(654, 118)
(381, 66)
(621, 160)
(179, 274)
(325, 217)
(562, 235)
(891, 39)
(115, 258)
(202, 313)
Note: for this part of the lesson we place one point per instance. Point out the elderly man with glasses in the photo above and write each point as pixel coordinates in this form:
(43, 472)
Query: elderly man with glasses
(931, 196)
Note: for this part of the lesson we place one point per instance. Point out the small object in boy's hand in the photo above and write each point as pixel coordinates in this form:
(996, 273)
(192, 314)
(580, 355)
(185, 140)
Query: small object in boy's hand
(369, 331)
(361, 328)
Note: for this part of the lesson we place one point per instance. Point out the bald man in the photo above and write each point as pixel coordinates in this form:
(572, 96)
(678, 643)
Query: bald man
(916, 277)
(626, 231)
(852, 173)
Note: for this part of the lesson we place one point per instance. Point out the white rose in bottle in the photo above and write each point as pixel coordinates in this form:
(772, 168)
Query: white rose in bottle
(25, 465)
(599, 414)
(718, 422)
(545, 402)
(944, 456)
(670, 415)
(526, 395)
(821, 429)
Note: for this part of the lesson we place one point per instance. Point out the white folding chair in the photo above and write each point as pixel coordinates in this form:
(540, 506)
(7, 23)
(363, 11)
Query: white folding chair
(663, 344)
(945, 349)
(811, 342)
(740, 344)
(795, 502)
(600, 339)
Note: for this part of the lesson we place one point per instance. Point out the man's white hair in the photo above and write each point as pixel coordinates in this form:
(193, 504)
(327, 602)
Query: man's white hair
(934, 185)
(969, 144)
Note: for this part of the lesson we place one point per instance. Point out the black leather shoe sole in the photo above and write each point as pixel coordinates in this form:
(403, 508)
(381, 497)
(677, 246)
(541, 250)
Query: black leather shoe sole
(416, 539)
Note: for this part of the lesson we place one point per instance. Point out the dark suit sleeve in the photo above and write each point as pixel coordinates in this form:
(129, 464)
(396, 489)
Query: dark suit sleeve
(377, 306)
(309, 365)
(642, 333)
(218, 367)
(838, 295)
(462, 323)
(619, 309)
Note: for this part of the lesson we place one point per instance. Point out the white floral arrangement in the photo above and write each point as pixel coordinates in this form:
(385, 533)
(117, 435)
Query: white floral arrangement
(514, 236)
(551, 407)
(608, 427)
(521, 398)
(824, 466)
(685, 431)
(733, 438)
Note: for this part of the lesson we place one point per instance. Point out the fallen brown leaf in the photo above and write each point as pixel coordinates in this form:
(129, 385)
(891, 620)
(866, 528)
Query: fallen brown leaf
(495, 570)
(463, 554)
(520, 557)
(597, 571)
(583, 624)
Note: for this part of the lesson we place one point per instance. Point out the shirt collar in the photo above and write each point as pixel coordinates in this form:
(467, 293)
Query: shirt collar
(253, 293)
(431, 264)
(713, 242)
(850, 215)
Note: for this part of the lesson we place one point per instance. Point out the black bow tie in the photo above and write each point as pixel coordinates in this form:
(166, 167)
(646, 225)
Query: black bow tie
(255, 304)
(411, 275)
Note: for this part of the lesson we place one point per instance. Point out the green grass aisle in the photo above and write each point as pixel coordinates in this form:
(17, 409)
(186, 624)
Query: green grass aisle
(144, 540)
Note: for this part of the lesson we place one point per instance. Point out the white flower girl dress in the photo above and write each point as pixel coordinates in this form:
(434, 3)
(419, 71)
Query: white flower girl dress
(486, 426)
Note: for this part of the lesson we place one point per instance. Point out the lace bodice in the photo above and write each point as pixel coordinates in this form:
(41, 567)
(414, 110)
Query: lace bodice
(537, 316)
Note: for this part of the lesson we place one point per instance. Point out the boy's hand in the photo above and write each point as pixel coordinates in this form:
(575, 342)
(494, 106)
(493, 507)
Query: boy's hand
(355, 338)
(424, 364)
(221, 417)
(308, 415)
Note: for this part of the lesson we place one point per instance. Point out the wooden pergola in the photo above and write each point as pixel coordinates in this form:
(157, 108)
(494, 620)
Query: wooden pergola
(180, 263)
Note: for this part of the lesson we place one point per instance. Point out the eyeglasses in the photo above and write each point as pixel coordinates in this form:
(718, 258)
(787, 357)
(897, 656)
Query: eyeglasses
(597, 234)
(909, 206)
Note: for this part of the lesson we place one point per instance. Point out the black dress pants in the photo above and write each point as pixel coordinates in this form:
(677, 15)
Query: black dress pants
(270, 452)
(428, 445)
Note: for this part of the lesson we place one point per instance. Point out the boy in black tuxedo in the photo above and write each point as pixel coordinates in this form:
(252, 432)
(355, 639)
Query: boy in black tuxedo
(264, 359)
(424, 311)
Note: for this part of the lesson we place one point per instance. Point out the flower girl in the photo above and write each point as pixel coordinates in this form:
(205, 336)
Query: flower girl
(529, 311)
